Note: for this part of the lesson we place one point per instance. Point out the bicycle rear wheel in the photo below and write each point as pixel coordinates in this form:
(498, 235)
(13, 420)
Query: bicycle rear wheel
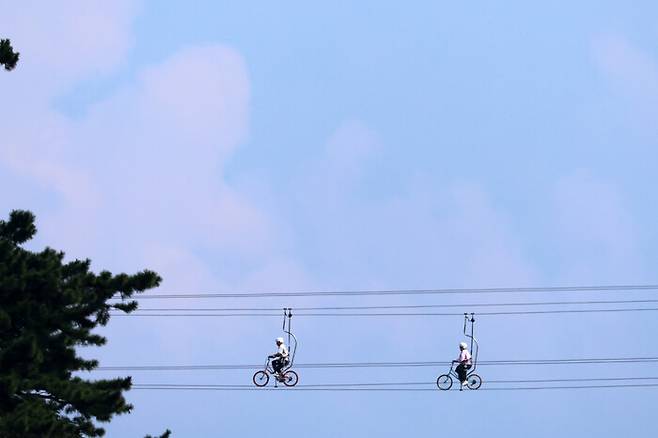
(290, 378)
(473, 381)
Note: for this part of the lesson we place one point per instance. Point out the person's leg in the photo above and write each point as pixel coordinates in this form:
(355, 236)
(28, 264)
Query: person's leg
(466, 368)
(276, 365)
(461, 372)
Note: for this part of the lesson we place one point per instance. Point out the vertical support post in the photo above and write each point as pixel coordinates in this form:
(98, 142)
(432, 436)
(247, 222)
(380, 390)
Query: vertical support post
(472, 330)
(289, 324)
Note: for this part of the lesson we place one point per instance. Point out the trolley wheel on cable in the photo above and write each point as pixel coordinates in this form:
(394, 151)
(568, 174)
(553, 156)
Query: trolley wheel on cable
(474, 381)
(290, 378)
(261, 378)
(444, 382)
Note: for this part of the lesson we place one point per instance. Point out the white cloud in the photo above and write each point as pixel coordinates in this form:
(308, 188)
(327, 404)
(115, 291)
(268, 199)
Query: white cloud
(159, 148)
(348, 148)
(38, 153)
(628, 65)
(493, 254)
(595, 232)
(62, 41)
(420, 234)
(140, 183)
(204, 93)
(143, 168)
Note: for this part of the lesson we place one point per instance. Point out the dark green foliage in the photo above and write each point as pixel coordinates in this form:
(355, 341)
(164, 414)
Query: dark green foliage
(47, 308)
(167, 434)
(7, 56)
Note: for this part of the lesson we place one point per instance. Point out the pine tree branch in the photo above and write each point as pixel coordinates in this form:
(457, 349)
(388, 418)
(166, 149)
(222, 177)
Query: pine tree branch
(47, 309)
(8, 57)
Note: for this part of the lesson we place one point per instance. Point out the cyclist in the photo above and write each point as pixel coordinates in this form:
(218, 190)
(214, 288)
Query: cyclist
(280, 357)
(464, 361)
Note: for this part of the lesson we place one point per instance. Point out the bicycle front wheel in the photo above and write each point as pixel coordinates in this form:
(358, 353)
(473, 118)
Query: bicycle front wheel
(444, 382)
(261, 378)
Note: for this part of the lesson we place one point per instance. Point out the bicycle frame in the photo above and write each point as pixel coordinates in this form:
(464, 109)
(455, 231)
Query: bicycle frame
(268, 366)
(292, 345)
(285, 375)
(292, 339)
(473, 381)
(475, 347)
(452, 372)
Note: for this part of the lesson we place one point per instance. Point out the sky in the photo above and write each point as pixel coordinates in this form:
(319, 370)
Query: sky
(288, 146)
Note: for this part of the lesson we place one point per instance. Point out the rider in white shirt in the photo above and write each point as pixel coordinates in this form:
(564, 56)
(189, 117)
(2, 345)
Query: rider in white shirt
(464, 361)
(280, 357)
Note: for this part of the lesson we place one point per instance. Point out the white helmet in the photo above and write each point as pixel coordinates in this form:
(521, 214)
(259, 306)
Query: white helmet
(279, 340)
(463, 345)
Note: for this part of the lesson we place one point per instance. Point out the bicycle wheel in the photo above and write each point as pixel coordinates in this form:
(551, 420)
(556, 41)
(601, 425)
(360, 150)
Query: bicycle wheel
(261, 378)
(474, 381)
(444, 382)
(290, 378)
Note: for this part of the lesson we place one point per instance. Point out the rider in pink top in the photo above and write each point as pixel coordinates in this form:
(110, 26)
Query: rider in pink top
(464, 361)
(464, 355)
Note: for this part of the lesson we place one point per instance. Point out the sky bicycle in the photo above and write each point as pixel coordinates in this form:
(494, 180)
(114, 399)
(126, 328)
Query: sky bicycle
(286, 375)
(473, 381)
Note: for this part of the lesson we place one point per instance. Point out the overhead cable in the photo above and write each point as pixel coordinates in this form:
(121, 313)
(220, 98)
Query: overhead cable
(508, 362)
(387, 314)
(603, 288)
(416, 306)
(375, 384)
(517, 388)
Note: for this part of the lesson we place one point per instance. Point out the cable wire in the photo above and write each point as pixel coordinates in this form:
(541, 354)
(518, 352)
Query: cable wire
(417, 306)
(608, 288)
(295, 389)
(508, 362)
(374, 384)
(277, 315)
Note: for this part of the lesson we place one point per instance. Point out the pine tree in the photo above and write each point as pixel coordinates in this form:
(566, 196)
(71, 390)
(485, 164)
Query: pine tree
(8, 58)
(48, 307)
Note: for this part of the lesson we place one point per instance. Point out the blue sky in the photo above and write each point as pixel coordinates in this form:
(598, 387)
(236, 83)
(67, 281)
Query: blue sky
(295, 146)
